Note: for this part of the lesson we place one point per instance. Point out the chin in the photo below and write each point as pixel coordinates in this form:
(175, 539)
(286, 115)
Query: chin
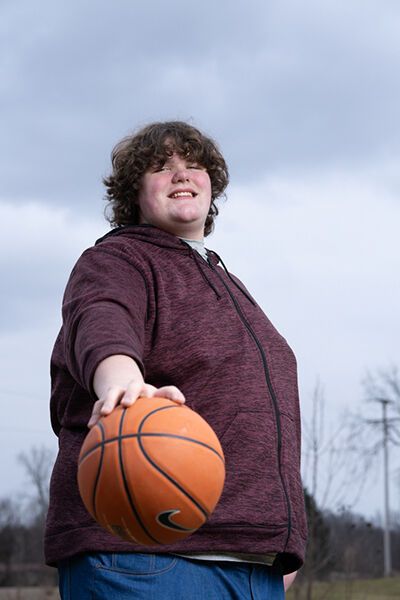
(189, 215)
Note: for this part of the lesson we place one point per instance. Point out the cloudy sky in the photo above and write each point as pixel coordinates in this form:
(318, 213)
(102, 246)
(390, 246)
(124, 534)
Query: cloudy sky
(303, 98)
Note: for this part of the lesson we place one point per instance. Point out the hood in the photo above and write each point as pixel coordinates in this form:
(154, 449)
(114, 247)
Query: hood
(158, 237)
(146, 233)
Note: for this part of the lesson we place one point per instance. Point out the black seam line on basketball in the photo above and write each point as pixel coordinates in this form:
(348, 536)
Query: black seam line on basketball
(137, 435)
(273, 398)
(171, 479)
(121, 464)
(183, 437)
(101, 427)
(141, 425)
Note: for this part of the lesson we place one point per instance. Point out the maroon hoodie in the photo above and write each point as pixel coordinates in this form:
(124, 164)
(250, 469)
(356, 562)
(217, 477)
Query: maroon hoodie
(145, 293)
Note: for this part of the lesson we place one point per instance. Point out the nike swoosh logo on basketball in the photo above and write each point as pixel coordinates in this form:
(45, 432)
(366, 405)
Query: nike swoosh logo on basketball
(164, 518)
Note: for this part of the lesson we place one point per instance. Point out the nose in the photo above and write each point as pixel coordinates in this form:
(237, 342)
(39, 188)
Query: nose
(180, 174)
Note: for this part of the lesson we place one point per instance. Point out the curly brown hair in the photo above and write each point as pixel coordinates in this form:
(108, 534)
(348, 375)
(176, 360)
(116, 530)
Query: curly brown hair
(150, 147)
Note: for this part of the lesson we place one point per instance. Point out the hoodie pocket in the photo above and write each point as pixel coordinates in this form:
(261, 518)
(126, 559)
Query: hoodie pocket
(253, 495)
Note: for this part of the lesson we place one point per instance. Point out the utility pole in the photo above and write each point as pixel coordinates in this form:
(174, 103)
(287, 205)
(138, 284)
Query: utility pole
(387, 554)
(384, 388)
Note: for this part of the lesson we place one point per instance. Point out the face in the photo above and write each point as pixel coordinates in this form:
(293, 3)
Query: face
(176, 197)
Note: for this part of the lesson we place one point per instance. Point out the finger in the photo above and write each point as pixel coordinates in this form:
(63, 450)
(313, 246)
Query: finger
(110, 400)
(95, 416)
(171, 392)
(98, 411)
(147, 391)
(105, 405)
(136, 390)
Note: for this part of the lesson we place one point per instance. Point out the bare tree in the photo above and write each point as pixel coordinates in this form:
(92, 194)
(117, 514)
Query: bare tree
(37, 463)
(334, 477)
(332, 470)
(9, 537)
(384, 383)
(30, 569)
(383, 388)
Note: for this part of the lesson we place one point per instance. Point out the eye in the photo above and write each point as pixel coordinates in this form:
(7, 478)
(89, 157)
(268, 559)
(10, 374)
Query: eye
(161, 168)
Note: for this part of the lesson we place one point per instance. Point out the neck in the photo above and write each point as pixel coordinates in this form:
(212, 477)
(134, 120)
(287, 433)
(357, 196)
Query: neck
(184, 232)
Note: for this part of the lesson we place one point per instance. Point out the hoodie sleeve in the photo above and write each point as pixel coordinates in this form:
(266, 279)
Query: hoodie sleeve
(104, 313)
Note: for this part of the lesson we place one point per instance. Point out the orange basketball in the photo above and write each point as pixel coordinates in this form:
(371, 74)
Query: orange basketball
(151, 473)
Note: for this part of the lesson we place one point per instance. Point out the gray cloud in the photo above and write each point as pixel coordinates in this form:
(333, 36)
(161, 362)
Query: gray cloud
(279, 85)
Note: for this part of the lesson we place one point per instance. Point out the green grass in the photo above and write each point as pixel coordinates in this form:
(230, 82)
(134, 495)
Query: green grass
(363, 589)
(29, 593)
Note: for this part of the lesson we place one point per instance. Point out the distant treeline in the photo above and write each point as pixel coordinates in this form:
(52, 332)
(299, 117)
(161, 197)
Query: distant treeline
(21, 548)
(342, 546)
(345, 546)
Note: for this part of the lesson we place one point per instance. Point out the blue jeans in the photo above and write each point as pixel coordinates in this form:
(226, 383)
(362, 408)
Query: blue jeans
(154, 576)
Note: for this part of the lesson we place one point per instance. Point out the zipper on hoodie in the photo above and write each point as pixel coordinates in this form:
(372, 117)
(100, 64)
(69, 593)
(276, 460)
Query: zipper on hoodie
(270, 388)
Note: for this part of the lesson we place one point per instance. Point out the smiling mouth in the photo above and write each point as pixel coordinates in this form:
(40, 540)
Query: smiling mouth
(186, 194)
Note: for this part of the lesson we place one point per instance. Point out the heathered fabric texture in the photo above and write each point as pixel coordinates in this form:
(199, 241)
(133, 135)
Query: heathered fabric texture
(145, 293)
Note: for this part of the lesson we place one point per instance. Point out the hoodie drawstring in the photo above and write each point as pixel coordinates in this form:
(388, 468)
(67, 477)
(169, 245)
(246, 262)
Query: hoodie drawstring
(197, 259)
(232, 280)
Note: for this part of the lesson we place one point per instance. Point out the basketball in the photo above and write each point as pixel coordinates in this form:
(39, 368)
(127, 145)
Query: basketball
(151, 473)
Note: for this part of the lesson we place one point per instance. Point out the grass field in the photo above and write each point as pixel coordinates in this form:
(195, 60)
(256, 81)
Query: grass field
(366, 589)
(29, 593)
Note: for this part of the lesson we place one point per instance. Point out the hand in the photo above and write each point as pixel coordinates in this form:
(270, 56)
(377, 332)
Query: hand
(118, 380)
(126, 397)
(288, 580)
